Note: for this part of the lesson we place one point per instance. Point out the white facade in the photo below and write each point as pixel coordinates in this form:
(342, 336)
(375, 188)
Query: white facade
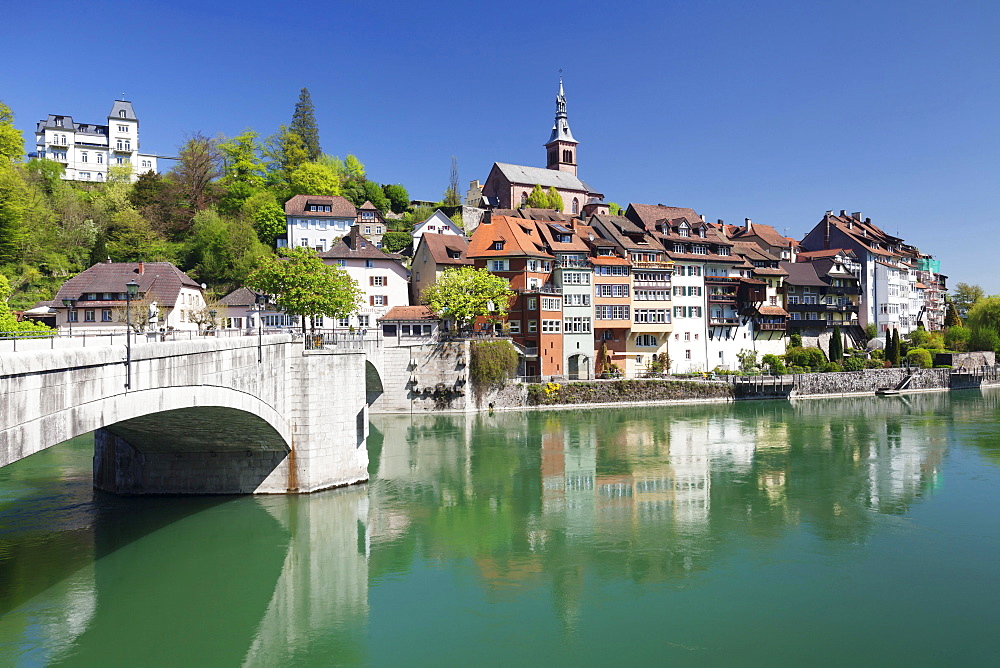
(727, 335)
(88, 150)
(687, 347)
(316, 233)
(436, 224)
(384, 283)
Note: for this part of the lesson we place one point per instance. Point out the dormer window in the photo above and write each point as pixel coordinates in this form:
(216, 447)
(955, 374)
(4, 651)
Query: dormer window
(678, 248)
(498, 245)
(701, 233)
(684, 230)
(723, 250)
(122, 113)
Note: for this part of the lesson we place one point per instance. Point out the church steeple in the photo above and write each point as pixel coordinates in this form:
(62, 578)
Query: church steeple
(561, 147)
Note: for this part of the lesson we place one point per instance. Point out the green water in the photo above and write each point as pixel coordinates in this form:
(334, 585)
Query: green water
(830, 532)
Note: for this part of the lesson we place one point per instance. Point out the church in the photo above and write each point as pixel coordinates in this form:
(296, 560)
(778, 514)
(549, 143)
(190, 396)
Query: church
(508, 186)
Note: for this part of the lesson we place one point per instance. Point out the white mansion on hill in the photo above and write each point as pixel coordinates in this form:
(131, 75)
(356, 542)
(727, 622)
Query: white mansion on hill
(86, 150)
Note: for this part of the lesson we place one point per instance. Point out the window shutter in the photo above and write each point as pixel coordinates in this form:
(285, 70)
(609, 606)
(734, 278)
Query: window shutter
(371, 300)
(371, 280)
(385, 300)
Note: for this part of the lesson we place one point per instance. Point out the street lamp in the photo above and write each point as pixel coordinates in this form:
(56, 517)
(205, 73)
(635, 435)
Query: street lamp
(132, 290)
(70, 305)
(261, 303)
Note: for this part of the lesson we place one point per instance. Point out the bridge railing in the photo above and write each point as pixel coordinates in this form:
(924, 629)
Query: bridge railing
(338, 339)
(26, 341)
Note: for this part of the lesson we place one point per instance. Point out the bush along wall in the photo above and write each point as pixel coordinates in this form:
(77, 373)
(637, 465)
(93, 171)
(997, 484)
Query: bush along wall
(624, 391)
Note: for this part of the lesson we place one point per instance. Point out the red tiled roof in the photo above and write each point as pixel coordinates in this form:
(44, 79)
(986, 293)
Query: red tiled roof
(772, 310)
(421, 312)
(356, 245)
(439, 246)
(520, 237)
(609, 260)
(648, 214)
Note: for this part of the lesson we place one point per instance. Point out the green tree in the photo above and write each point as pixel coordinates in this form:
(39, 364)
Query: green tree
(373, 193)
(266, 216)
(285, 151)
(615, 209)
(774, 364)
(537, 198)
(11, 140)
(920, 357)
(836, 345)
(893, 353)
(984, 339)
(984, 314)
(399, 199)
(243, 169)
(354, 168)
(223, 251)
(951, 318)
(747, 359)
(8, 321)
(304, 124)
(314, 178)
(395, 241)
(14, 196)
(463, 294)
(555, 199)
(147, 190)
(47, 174)
(871, 331)
(957, 338)
(303, 285)
(965, 297)
(128, 237)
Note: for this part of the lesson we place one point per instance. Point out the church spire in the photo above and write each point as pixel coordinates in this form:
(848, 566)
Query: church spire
(561, 147)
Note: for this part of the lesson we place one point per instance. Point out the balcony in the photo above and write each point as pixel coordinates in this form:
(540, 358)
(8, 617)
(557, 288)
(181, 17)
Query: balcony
(722, 279)
(723, 322)
(821, 307)
(652, 265)
(548, 288)
(570, 263)
(771, 326)
(651, 284)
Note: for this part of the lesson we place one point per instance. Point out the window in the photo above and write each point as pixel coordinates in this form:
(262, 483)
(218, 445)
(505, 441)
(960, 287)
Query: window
(576, 299)
(724, 250)
(616, 270)
(678, 248)
(532, 265)
(304, 242)
(678, 311)
(88, 315)
(687, 354)
(551, 326)
(343, 322)
(772, 301)
(551, 304)
(368, 229)
(379, 300)
(85, 176)
(694, 270)
(579, 325)
(378, 281)
(74, 316)
(576, 278)
(364, 320)
(122, 128)
(652, 295)
(532, 303)
(638, 359)
(793, 299)
(122, 113)
(100, 158)
(515, 327)
(532, 326)
(388, 330)
(608, 335)
(499, 265)
(120, 144)
(699, 249)
(524, 198)
(83, 156)
(646, 340)
(612, 312)
(652, 315)
(369, 264)
(576, 205)
(613, 290)
(341, 263)
(687, 336)
(809, 299)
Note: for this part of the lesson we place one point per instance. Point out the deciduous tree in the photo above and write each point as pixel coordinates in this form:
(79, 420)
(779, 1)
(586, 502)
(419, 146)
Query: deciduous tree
(451, 196)
(537, 198)
(313, 178)
(266, 215)
(198, 165)
(965, 297)
(399, 199)
(303, 285)
(11, 140)
(464, 294)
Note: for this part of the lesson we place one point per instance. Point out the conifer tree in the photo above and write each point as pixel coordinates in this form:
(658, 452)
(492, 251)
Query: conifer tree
(951, 318)
(836, 345)
(304, 124)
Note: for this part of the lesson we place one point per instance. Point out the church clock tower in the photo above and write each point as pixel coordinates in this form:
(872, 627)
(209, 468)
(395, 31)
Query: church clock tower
(561, 147)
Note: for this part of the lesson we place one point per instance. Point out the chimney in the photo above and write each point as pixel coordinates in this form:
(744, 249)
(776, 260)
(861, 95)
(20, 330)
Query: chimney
(142, 268)
(856, 216)
(843, 213)
(749, 225)
(721, 222)
(826, 231)
(702, 216)
(108, 261)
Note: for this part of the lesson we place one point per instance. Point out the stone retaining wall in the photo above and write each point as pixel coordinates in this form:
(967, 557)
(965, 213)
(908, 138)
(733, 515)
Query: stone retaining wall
(869, 380)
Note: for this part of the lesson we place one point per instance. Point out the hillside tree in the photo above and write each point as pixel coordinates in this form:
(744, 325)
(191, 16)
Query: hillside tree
(304, 124)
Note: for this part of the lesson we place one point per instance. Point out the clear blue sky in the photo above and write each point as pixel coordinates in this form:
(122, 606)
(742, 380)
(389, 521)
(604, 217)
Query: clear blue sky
(776, 111)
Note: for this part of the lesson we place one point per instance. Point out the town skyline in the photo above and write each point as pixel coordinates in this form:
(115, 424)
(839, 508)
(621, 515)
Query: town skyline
(733, 128)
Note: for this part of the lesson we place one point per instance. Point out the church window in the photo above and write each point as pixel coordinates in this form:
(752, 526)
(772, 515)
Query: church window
(576, 205)
(524, 198)
(568, 156)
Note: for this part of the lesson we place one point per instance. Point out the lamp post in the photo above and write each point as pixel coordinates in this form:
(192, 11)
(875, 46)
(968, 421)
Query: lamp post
(70, 305)
(261, 303)
(132, 290)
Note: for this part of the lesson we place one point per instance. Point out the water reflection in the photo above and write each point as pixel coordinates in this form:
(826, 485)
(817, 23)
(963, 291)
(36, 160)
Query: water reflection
(524, 504)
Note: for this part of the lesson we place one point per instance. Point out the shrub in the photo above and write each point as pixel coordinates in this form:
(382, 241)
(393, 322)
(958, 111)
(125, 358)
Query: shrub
(774, 364)
(854, 363)
(957, 338)
(878, 354)
(874, 364)
(806, 357)
(919, 357)
(492, 363)
(795, 341)
(832, 367)
(984, 339)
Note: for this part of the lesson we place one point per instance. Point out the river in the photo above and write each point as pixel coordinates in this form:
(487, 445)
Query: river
(827, 531)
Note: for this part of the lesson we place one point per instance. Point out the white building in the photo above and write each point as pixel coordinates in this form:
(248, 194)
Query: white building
(87, 150)
(316, 221)
(436, 224)
(380, 275)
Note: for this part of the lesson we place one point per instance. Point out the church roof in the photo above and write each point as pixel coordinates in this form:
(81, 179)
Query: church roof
(546, 178)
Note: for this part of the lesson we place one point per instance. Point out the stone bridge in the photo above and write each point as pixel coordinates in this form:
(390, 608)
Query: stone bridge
(202, 416)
